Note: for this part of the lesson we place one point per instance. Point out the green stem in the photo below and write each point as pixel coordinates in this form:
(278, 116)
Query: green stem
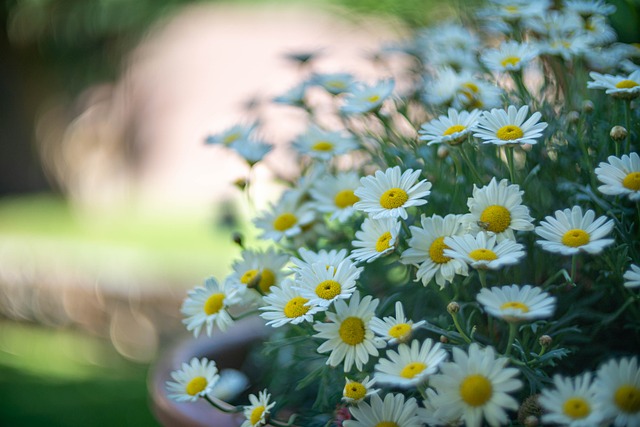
(476, 176)
(510, 162)
(482, 275)
(289, 423)
(229, 409)
(245, 314)
(513, 329)
(627, 124)
(574, 263)
(456, 322)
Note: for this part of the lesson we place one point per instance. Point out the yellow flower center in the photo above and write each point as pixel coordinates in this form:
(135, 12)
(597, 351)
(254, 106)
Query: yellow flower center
(515, 305)
(471, 86)
(322, 146)
(230, 138)
(387, 424)
(453, 129)
(285, 221)
(476, 390)
(509, 133)
(510, 60)
(296, 307)
(412, 369)
(436, 251)
(373, 98)
(328, 289)
(267, 279)
(336, 84)
(626, 84)
(345, 198)
(483, 254)
(512, 9)
(213, 304)
(352, 330)
(400, 331)
(632, 181)
(627, 398)
(383, 242)
(196, 385)
(355, 391)
(256, 415)
(576, 407)
(393, 198)
(575, 238)
(497, 217)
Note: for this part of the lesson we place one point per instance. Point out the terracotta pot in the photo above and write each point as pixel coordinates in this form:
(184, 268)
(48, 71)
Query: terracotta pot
(228, 349)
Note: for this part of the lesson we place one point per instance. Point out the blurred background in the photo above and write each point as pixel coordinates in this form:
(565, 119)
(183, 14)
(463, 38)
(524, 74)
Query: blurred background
(112, 206)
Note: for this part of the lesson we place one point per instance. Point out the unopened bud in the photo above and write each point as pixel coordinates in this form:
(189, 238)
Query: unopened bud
(241, 183)
(618, 133)
(443, 152)
(453, 307)
(587, 106)
(444, 339)
(237, 239)
(530, 411)
(573, 117)
(545, 341)
(526, 147)
(531, 421)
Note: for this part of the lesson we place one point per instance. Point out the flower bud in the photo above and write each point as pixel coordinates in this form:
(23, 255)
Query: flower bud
(587, 106)
(453, 307)
(237, 239)
(530, 411)
(531, 421)
(618, 133)
(573, 117)
(545, 341)
(444, 339)
(443, 152)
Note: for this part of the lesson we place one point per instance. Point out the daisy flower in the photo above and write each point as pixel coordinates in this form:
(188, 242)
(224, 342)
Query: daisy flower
(390, 193)
(597, 31)
(618, 391)
(428, 412)
(257, 413)
(395, 329)
(285, 305)
(588, 8)
(442, 87)
(259, 269)
(364, 98)
(452, 129)
(236, 133)
(516, 304)
(621, 176)
(475, 93)
(348, 334)
(572, 402)
(632, 277)
(410, 365)
(378, 237)
(510, 56)
(308, 257)
(284, 219)
(482, 251)
(294, 96)
(502, 127)
(497, 209)
(626, 87)
(334, 83)
(207, 305)
(426, 249)
(334, 194)
(193, 380)
(322, 285)
(571, 232)
(475, 386)
(514, 10)
(251, 150)
(323, 144)
(356, 391)
(393, 411)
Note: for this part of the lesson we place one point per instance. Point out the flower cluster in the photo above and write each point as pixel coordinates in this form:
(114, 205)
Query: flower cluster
(461, 251)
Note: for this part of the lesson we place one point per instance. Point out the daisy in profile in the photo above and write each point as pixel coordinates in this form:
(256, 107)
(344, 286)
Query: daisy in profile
(348, 333)
(482, 251)
(294, 96)
(502, 127)
(571, 232)
(376, 238)
(308, 257)
(285, 305)
(393, 411)
(322, 285)
(474, 93)
(322, 144)
(452, 129)
(257, 413)
(334, 83)
(621, 176)
(411, 364)
(334, 194)
(626, 87)
(364, 98)
(259, 270)
(517, 304)
(207, 305)
(442, 87)
(588, 8)
(618, 391)
(571, 402)
(497, 209)
(390, 193)
(252, 151)
(193, 380)
(428, 412)
(356, 391)
(632, 277)
(474, 387)
(234, 134)
(426, 249)
(395, 329)
(510, 56)
(284, 219)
